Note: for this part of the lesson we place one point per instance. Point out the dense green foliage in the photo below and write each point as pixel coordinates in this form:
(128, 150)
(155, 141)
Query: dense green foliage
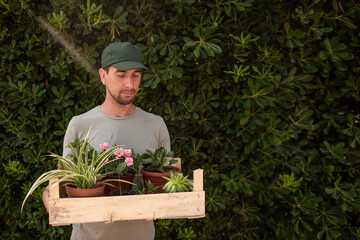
(263, 95)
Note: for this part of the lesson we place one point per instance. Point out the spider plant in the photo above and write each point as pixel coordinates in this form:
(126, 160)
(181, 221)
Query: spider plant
(82, 168)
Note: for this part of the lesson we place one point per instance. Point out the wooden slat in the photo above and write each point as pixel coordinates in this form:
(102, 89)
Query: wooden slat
(109, 209)
(54, 190)
(178, 164)
(198, 180)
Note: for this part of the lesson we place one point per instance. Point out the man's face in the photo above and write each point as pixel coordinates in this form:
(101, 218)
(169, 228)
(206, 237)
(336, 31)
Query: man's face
(122, 86)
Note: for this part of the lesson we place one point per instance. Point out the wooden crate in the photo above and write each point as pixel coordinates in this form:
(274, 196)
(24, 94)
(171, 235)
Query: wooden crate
(66, 211)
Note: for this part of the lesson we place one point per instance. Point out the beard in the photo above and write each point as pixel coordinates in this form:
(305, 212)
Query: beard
(120, 100)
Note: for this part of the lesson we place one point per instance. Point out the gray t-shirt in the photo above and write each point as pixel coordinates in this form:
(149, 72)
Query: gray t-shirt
(139, 131)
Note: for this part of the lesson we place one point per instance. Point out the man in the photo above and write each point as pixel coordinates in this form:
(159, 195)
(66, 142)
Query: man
(118, 121)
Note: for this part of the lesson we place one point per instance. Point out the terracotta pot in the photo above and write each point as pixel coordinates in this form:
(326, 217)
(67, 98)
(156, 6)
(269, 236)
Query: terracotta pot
(74, 192)
(117, 184)
(157, 178)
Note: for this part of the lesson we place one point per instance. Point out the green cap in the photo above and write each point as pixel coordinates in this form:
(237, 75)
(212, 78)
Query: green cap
(123, 56)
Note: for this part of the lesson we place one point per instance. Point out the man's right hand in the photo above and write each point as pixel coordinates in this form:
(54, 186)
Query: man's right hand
(45, 198)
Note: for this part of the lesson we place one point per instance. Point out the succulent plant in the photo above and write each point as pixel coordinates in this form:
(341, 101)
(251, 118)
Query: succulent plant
(176, 183)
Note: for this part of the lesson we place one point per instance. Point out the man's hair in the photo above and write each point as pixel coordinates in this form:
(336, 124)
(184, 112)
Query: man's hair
(107, 69)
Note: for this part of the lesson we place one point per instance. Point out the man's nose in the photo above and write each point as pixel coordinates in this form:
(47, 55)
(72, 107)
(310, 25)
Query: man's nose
(128, 83)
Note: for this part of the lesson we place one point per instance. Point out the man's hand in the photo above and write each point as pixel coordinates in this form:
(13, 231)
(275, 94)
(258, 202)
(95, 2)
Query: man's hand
(45, 198)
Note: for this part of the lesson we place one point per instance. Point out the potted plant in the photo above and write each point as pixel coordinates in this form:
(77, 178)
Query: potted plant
(157, 165)
(148, 189)
(123, 169)
(82, 170)
(176, 183)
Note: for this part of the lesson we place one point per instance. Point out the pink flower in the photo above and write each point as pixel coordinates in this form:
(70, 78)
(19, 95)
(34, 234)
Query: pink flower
(104, 146)
(127, 152)
(119, 152)
(107, 160)
(129, 161)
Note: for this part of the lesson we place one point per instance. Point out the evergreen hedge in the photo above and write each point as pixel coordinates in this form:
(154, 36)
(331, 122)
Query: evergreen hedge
(263, 95)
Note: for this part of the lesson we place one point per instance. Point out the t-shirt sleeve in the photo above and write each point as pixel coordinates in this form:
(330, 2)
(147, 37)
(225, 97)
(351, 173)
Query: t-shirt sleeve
(69, 137)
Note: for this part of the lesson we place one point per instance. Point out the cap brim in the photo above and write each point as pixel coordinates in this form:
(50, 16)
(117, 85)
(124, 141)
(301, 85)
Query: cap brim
(127, 65)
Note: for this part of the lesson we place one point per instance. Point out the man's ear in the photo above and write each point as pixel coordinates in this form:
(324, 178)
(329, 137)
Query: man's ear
(102, 74)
